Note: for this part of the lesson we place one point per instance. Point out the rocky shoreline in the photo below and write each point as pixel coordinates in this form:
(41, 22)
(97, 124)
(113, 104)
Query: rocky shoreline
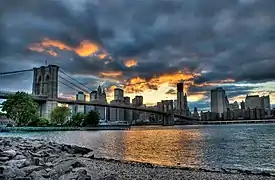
(38, 159)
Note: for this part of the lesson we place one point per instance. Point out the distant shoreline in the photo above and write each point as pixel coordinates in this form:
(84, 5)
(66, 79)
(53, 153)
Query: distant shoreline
(37, 129)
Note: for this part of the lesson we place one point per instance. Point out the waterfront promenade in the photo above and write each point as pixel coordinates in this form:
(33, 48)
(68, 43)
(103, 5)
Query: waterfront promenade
(39, 159)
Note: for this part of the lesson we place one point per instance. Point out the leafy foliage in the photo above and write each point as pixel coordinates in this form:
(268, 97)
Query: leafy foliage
(20, 107)
(77, 120)
(40, 122)
(59, 115)
(92, 119)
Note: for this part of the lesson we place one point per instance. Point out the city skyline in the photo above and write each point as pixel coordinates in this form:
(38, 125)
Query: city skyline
(143, 51)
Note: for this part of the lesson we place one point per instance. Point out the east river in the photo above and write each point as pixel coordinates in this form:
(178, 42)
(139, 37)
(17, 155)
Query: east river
(248, 146)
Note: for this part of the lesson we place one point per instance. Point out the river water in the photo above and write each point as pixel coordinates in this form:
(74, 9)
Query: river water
(217, 146)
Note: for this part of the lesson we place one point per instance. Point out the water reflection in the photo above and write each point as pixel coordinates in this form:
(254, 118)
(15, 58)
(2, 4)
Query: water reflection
(227, 146)
(165, 147)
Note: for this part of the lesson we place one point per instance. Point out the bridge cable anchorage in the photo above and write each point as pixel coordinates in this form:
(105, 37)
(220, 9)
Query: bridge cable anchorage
(73, 84)
(15, 72)
(75, 80)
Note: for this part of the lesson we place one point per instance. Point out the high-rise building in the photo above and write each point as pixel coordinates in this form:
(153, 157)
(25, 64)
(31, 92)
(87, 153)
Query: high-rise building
(127, 100)
(265, 102)
(218, 100)
(196, 114)
(119, 94)
(137, 101)
(242, 105)
(234, 106)
(180, 98)
(128, 114)
(117, 114)
(185, 102)
(253, 102)
(100, 97)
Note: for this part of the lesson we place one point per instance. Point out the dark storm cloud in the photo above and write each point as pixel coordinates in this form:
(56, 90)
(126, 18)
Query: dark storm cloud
(224, 38)
(171, 91)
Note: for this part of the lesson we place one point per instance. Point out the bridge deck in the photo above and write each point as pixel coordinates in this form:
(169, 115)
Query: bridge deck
(4, 95)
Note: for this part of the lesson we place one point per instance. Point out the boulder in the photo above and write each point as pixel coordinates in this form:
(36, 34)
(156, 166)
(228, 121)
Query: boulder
(83, 177)
(31, 168)
(38, 174)
(80, 170)
(90, 155)
(9, 172)
(3, 159)
(9, 153)
(18, 163)
(23, 178)
(68, 176)
(18, 157)
(72, 149)
(65, 167)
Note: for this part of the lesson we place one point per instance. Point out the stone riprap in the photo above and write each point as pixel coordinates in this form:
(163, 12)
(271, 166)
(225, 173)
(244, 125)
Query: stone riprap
(38, 159)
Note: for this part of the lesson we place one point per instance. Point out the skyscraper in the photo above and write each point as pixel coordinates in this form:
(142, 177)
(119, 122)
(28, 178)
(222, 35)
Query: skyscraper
(218, 100)
(253, 102)
(265, 102)
(98, 96)
(180, 98)
(242, 105)
(117, 114)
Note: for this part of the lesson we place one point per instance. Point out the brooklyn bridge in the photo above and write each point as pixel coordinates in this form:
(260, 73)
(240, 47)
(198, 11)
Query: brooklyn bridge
(46, 91)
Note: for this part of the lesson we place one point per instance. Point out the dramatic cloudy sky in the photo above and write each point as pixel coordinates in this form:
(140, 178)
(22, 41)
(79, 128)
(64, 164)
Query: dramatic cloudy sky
(145, 46)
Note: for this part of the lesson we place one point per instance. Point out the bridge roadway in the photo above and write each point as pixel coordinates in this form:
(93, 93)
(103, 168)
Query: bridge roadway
(149, 110)
(4, 95)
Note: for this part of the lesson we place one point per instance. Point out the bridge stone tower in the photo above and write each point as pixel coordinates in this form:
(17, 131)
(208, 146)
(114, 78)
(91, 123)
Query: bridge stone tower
(45, 81)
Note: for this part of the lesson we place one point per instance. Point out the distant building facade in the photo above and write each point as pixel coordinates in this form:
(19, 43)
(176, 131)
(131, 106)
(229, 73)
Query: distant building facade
(265, 103)
(234, 106)
(218, 101)
(117, 114)
(181, 102)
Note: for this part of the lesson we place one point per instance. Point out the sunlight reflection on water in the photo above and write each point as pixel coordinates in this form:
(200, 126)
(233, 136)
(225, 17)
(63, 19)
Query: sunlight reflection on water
(227, 146)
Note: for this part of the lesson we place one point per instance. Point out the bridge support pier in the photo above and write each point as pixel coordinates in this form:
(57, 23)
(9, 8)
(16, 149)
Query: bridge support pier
(46, 108)
(168, 120)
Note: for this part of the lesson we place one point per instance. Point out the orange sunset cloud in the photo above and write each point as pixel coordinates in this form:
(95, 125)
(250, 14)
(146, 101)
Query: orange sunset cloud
(110, 74)
(85, 48)
(130, 63)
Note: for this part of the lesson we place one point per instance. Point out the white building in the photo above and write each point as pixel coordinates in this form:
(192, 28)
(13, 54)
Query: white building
(218, 101)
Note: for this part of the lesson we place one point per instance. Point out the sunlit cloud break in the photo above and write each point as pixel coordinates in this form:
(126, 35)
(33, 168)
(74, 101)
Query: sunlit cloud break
(85, 48)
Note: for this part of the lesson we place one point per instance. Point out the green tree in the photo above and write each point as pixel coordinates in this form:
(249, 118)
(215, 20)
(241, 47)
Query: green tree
(20, 107)
(59, 115)
(77, 120)
(40, 122)
(92, 119)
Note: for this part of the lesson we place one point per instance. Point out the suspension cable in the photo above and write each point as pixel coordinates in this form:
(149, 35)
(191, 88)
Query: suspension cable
(15, 72)
(69, 86)
(73, 84)
(75, 80)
